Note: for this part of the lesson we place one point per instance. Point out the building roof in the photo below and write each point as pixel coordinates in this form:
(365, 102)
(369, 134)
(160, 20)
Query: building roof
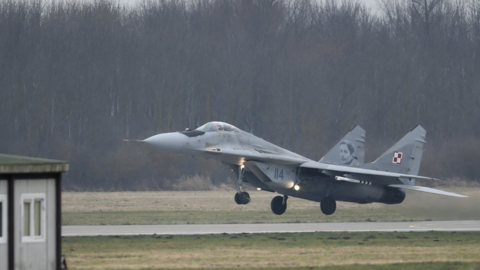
(19, 164)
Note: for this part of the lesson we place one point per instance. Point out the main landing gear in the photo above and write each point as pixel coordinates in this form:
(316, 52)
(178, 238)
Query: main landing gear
(279, 204)
(328, 205)
(241, 197)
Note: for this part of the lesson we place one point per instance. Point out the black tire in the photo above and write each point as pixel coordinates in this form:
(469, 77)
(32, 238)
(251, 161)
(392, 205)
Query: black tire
(277, 205)
(244, 197)
(328, 206)
(237, 198)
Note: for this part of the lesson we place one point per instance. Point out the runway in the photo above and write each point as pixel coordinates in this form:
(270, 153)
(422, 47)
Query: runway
(199, 229)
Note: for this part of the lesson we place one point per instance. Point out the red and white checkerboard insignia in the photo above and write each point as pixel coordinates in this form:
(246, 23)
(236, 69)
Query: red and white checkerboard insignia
(397, 157)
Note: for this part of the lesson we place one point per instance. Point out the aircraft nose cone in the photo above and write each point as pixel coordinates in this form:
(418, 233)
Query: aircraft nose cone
(167, 141)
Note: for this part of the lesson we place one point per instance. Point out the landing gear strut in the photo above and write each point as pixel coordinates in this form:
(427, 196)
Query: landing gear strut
(279, 204)
(328, 205)
(241, 197)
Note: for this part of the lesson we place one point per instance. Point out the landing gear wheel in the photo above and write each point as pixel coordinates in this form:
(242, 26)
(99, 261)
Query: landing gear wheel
(328, 205)
(242, 198)
(237, 198)
(279, 206)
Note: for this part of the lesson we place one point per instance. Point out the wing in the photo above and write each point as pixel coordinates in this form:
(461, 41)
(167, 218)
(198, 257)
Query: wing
(342, 170)
(229, 155)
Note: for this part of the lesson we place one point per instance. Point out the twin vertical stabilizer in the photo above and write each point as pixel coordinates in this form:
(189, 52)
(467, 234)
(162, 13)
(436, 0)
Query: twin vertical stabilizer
(349, 151)
(405, 156)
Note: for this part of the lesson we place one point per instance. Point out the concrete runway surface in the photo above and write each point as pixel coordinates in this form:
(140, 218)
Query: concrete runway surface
(198, 229)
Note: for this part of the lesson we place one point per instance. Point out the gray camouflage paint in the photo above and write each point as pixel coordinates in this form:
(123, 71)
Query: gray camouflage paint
(273, 168)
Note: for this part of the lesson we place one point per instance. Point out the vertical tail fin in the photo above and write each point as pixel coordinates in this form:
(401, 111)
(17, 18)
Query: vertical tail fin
(405, 156)
(349, 150)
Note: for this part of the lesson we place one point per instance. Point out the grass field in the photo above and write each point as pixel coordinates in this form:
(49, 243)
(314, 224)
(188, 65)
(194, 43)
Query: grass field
(195, 207)
(430, 250)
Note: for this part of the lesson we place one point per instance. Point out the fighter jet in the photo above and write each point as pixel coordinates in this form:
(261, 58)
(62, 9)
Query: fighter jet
(341, 175)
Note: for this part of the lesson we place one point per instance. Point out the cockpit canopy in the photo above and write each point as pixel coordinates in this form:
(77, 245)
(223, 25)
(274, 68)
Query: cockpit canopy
(218, 126)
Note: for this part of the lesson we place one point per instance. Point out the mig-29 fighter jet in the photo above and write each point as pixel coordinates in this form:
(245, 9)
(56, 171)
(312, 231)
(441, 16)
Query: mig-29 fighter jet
(341, 175)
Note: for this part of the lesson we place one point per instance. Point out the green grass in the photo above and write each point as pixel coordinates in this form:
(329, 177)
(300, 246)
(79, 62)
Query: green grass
(432, 250)
(393, 266)
(406, 266)
(227, 217)
(183, 207)
(359, 250)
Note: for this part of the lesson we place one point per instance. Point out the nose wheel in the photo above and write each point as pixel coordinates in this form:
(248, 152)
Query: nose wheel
(242, 197)
(279, 205)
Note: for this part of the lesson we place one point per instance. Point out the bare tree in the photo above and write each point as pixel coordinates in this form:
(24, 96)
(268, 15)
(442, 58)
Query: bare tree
(76, 78)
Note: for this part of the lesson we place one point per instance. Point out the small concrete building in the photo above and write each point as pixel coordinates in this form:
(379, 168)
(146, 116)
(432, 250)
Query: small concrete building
(30, 212)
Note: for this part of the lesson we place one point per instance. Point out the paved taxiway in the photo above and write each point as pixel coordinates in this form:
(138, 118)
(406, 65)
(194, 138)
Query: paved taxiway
(195, 229)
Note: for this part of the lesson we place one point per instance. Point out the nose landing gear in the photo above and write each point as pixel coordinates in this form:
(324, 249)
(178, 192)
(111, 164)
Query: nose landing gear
(241, 197)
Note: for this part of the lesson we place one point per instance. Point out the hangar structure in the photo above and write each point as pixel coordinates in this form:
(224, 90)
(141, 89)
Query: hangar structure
(30, 212)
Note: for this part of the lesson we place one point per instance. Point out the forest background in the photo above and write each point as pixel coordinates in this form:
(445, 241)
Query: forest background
(76, 78)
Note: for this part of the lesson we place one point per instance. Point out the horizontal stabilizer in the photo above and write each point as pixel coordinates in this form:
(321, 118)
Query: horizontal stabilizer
(429, 190)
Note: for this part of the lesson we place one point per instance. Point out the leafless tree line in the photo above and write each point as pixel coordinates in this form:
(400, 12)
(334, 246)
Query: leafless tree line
(76, 78)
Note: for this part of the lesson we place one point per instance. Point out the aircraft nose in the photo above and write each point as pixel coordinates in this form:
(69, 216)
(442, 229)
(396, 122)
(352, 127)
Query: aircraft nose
(167, 141)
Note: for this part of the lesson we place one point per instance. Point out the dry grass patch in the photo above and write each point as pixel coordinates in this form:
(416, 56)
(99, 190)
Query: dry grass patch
(270, 250)
(181, 207)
